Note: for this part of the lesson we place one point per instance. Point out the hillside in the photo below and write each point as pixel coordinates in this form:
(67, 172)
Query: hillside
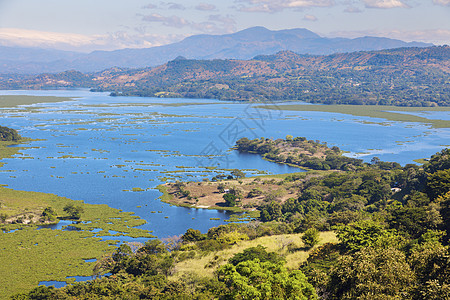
(404, 76)
(401, 77)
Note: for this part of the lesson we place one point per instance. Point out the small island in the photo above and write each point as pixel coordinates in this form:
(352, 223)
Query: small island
(237, 193)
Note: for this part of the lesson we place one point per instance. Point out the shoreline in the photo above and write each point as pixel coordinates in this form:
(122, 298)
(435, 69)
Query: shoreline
(389, 113)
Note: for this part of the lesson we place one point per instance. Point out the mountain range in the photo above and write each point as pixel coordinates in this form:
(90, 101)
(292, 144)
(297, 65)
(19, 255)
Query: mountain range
(244, 44)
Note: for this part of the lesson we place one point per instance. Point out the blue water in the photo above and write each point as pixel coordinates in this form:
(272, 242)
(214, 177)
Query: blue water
(98, 148)
(60, 284)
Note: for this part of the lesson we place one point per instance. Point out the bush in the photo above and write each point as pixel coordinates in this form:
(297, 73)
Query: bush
(258, 252)
(311, 237)
(230, 199)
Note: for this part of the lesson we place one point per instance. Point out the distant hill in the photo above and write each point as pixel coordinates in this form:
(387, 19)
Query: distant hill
(244, 44)
(34, 60)
(403, 76)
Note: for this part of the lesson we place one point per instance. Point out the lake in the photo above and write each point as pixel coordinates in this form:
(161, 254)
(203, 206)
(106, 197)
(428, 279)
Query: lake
(116, 150)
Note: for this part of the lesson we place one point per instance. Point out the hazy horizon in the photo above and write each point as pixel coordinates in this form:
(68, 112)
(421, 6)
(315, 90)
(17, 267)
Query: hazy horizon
(109, 25)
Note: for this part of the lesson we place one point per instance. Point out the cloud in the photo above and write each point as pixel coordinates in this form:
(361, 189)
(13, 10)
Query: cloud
(384, 4)
(216, 24)
(178, 6)
(436, 36)
(15, 37)
(163, 5)
(272, 6)
(442, 2)
(310, 18)
(171, 21)
(205, 7)
(352, 9)
(149, 6)
(228, 24)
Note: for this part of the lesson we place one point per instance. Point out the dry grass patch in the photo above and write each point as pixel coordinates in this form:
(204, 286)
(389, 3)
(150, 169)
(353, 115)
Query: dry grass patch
(276, 243)
(207, 194)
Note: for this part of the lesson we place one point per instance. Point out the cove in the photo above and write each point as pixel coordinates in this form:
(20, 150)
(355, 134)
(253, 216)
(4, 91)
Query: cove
(116, 150)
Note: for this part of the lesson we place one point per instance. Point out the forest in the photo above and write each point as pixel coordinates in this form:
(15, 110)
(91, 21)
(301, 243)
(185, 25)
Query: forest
(391, 222)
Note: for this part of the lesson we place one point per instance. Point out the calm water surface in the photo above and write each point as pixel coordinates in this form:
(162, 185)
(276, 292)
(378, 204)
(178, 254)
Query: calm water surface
(98, 148)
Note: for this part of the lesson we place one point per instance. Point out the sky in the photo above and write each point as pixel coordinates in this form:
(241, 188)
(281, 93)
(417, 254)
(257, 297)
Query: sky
(87, 25)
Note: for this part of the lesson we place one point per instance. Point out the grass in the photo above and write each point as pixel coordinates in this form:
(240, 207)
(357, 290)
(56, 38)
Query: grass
(29, 255)
(373, 111)
(275, 243)
(6, 151)
(14, 100)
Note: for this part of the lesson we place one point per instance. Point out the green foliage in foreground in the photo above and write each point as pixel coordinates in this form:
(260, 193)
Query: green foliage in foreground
(253, 279)
(143, 272)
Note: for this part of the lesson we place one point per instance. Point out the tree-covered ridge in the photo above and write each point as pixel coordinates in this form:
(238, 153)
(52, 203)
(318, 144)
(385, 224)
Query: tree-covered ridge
(401, 77)
(407, 77)
(8, 134)
(300, 152)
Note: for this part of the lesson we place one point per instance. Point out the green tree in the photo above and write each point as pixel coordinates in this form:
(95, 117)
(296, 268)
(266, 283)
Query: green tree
(230, 199)
(438, 183)
(255, 192)
(221, 187)
(430, 260)
(252, 253)
(372, 273)
(362, 234)
(238, 173)
(49, 214)
(8, 134)
(439, 161)
(264, 280)
(271, 211)
(73, 211)
(192, 235)
(310, 237)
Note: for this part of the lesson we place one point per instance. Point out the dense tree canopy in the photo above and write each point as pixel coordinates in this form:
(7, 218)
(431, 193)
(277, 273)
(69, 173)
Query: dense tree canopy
(8, 134)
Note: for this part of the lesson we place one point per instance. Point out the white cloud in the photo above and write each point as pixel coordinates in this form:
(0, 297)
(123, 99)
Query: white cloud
(149, 6)
(228, 24)
(279, 5)
(178, 6)
(310, 18)
(352, 9)
(436, 36)
(171, 21)
(384, 4)
(205, 7)
(15, 37)
(442, 2)
(216, 24)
